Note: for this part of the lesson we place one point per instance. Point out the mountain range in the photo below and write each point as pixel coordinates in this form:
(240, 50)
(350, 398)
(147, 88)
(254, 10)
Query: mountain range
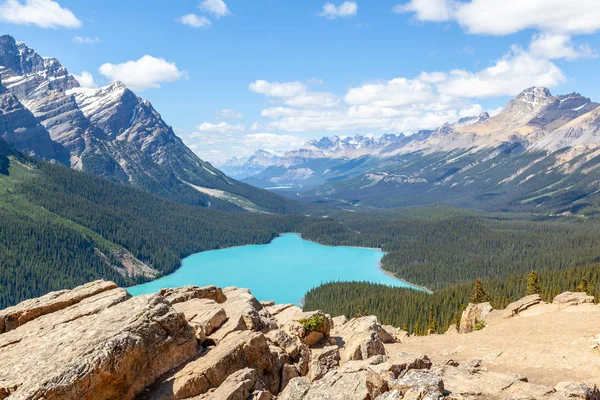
(110, 132)
(540, 151)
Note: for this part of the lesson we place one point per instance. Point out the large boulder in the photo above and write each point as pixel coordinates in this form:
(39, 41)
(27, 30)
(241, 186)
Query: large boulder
(322, 361)
(186, 293)
(572, 390)
(243, 312)
(205, 316)
(522, 304)
(310, 327)
(572, 299)
(15, 316)
(363, 385)
(103, 347)
(418, 384)
(391, 334)
(388, 367)
(239, 350)
(474, 314)
(359, 339)
(237, 386)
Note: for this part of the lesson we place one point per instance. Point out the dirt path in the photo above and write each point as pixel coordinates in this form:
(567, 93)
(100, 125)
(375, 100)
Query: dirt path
(544, 344)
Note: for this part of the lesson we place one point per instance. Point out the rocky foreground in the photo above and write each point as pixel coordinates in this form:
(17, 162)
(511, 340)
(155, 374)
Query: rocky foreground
(97, 342)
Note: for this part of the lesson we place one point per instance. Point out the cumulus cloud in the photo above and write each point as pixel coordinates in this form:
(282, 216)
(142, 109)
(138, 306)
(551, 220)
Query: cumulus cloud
(216, 7)
(146, 73)
(511, 74)
(217, 147)
(195, 21)
(86, 80)
(314, 99)
(86, 40)
(220, 127)
(344, 10)
(277, 89)
(503, 17)
(427, 10)
(42, 13)
(226, 113)
(405, 104)
(555, 46)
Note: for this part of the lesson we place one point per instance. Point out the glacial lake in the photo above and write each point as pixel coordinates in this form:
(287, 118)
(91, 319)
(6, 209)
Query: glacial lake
(283, 270)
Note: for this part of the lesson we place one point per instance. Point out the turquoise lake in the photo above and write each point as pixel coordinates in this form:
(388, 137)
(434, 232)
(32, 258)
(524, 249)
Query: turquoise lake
(283, 270)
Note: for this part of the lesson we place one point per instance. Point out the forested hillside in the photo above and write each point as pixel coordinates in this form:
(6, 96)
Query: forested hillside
(420, 311)
(440, 246)
(60, 228)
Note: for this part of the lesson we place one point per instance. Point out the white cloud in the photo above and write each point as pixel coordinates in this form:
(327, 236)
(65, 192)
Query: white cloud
(314, 99)
(344, 10)
(218, 146)
(220, 127)
(503, 17)
(555, 46)
(511, 74)
(42, 13)
(426, 101)
(86, 40)
(145, 73)
(195, 21)
(86, 80)
(394, 93)
(226, 113)
(433, 77)
(427, 10)
(216, 7)
(471, 111)
(277, 89)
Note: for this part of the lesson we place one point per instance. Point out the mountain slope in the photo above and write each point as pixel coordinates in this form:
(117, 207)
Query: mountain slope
(115, 134)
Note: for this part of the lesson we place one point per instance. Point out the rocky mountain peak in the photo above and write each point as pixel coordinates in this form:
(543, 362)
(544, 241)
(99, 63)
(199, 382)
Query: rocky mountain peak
(19, 58)
(534, 94)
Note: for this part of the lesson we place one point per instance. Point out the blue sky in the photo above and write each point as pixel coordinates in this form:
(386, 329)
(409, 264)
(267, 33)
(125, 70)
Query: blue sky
(244, 74)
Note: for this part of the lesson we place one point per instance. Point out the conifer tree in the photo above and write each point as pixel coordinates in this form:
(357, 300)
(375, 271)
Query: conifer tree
(480, 294)
(533, 284)
(417, 329)
(584, 286)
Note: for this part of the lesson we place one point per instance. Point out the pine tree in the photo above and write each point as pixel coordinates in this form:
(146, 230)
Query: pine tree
(584, 286)
(480, 295)
(431, 324)
(533, 284)
(417, 329)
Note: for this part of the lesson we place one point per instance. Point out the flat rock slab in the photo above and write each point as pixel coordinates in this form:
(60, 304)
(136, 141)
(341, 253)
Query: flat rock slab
(15, 316)
(101, 348)
(522, 304)
(363, 385)
(572, 298)
(186, 293)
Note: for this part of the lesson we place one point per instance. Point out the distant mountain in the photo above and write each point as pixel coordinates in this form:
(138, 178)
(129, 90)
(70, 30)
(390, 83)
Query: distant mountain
(110, 132)
(240, 168)
(541, 152)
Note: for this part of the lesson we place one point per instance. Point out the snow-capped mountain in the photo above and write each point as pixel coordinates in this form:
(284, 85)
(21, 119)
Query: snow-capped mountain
(352, 147)
(244, 167)
(110, 132)
(541, 150)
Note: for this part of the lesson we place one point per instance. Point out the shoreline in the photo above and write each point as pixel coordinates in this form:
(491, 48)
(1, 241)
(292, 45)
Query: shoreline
(379, 263)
